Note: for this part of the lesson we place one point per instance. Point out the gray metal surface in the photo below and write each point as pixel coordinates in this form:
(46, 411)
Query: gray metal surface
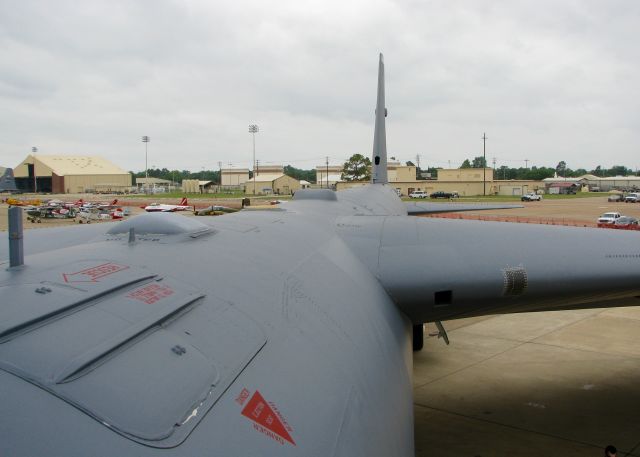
(379, 160)
(7, 181)
(16, 233)
(281, 333)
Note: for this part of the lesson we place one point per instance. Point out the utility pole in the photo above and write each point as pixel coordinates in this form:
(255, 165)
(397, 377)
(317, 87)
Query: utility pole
(220, 176)
(484, 165)
(35, 176)
(494, 165)
(526, 163)
(327, 171)
(253, 129)
(418, 160)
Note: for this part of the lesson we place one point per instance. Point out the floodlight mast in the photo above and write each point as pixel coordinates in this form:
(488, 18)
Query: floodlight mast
(145, 140)
(253, 129)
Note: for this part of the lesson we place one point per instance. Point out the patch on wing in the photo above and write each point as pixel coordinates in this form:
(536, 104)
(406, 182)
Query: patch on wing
(515, 281)
(266, 417)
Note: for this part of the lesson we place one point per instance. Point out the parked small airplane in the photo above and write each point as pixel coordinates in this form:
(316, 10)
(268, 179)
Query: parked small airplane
(164, 208)
(272, 333)
(38, 213)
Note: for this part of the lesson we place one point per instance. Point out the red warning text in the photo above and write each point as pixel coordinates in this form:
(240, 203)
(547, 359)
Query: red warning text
(151, 293)
(93, 274)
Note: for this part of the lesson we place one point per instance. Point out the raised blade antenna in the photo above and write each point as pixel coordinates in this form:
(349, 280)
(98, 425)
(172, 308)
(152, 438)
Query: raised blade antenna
(379, 167)
(441, 333)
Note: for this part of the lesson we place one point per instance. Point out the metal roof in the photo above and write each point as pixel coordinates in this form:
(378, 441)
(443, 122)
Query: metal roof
(267, 177)
(78, 165)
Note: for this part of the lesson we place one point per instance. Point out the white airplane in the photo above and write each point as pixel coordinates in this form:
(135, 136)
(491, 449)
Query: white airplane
(164, 208)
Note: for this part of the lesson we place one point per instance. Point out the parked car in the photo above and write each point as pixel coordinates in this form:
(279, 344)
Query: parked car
(633, 197)
(625, 221)
(531, 197)
(615, 198)
(441, 194)
(418, 194)
(609, 218)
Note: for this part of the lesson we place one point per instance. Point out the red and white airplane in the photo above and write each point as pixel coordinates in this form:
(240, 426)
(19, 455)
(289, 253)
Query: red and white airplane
(161, 207)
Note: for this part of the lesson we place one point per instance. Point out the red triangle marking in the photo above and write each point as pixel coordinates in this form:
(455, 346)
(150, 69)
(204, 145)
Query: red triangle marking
(259, 411)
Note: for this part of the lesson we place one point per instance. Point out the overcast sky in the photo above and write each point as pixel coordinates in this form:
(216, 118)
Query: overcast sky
(547, 80)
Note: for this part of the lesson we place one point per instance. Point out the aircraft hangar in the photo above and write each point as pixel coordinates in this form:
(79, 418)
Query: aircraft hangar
(70, 174)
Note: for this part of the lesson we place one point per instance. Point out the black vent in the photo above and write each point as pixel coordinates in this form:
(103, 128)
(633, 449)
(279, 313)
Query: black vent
(515, 281)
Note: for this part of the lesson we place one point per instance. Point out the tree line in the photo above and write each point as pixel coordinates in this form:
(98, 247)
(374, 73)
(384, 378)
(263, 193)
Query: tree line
(539, 173)
(177, 176)
(358, 168)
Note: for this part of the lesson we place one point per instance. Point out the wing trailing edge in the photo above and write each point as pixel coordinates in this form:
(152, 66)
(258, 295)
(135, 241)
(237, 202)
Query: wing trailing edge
(417, 209)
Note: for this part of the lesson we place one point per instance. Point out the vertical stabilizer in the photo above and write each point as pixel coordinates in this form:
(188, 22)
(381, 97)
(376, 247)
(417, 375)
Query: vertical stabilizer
(379, 166)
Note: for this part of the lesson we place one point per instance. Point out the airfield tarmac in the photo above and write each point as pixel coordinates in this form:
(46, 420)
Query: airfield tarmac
(555, 383)
(563, 383)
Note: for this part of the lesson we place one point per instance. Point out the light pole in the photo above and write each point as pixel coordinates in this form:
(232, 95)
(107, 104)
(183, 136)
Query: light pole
(253, 129)
(35, 176)
(484, 164)
(145, 140)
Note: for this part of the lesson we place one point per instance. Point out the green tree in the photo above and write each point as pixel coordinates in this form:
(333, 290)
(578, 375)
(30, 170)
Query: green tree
(357, 168)
(466, 164)
(561, 168)
(620, 170)
(297, 173)
(479, 162)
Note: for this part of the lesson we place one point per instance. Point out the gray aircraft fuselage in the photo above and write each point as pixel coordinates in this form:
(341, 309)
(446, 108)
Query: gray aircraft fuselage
(282, 332)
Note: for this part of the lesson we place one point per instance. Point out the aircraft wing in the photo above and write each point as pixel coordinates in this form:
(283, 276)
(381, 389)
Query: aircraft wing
(275, 333)
(417, 208)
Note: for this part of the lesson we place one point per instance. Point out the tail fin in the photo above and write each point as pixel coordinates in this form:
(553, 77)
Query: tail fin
(379, 166)
(183, 202)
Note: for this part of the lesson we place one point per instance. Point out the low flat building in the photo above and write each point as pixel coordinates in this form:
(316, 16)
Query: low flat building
(153, 183)
(464, 181)
(267, 184)
(70, 174)
(234, 177)
(626, 183)
(328, 176)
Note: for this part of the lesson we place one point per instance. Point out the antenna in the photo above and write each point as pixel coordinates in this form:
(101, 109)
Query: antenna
(379, 167)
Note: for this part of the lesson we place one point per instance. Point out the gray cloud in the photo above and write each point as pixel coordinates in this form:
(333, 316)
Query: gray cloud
(547, 81)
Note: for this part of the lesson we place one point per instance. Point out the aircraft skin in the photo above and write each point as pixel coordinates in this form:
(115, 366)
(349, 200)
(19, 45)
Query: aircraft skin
(285, 332)
(7, 181)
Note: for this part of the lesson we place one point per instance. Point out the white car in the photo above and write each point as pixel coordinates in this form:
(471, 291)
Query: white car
(531, 197)
(633, 197)
(418, 194)
(609, 218)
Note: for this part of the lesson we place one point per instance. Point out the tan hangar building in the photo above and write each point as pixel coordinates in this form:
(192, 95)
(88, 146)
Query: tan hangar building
(70, 174)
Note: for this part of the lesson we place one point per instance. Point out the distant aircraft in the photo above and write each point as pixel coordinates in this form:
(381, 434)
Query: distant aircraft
(164, 208)
(266, 333)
